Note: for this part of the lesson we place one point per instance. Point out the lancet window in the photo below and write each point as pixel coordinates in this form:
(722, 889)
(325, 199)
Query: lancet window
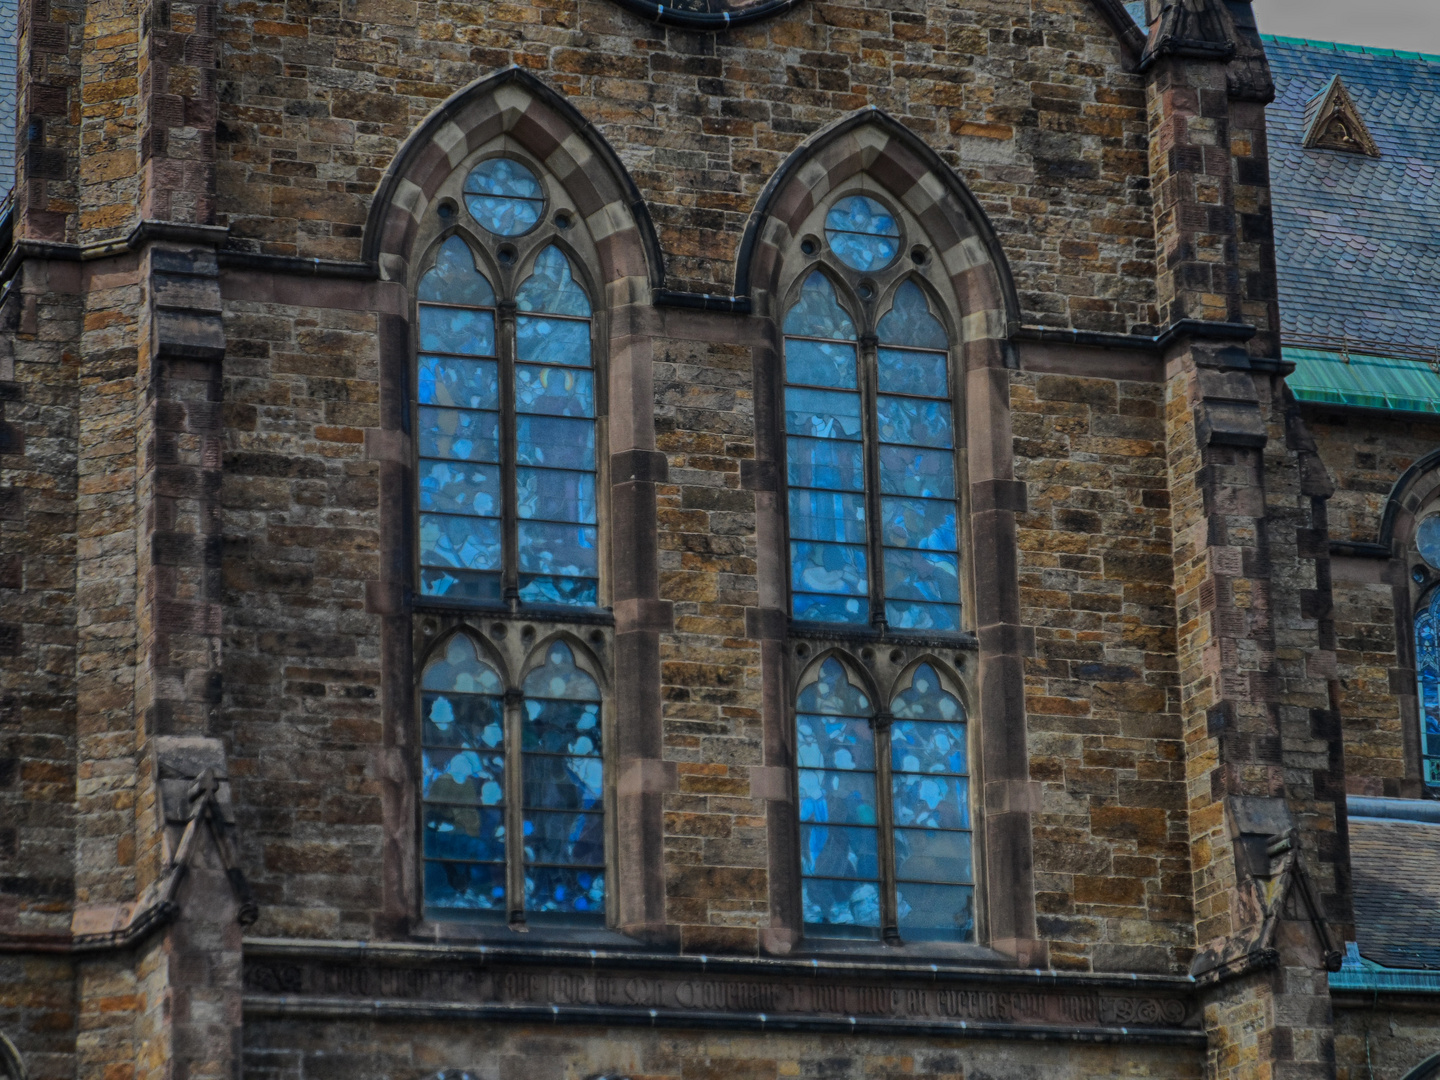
(506, 407)
(870, 442)
(885, 831)
(1427, 653)
(513, 789)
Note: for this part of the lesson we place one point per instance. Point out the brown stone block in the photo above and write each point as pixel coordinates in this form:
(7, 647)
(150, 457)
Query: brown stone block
(1109, 891)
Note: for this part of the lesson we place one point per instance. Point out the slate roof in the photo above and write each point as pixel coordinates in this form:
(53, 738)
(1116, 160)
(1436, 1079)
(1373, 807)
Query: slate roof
(1396, 867)
(1358, 238)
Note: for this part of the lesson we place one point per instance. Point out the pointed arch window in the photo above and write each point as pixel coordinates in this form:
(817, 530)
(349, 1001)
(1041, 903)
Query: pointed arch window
(870, 462)
(506, 429)
(885, 840)
(512, 789)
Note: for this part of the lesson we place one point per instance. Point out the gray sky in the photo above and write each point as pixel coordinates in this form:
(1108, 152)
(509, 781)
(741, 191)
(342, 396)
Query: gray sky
(1413, 25)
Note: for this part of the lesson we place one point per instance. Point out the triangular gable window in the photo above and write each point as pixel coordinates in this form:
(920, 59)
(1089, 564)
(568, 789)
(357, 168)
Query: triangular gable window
(1332, 122)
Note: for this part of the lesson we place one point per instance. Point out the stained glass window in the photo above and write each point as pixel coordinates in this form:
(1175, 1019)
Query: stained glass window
(862, 233)
(824, 460)
(934, 869)
(463, 783)
(504, 197)
(917, 468)
(838, 561)
(458, 394)
(1427, 539)
(1427, 670)
(471, 510)
(839, 841)
(563, 791)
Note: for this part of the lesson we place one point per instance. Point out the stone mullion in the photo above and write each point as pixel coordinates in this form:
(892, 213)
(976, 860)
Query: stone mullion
(509, 493)
(885, 825)
(870, 433)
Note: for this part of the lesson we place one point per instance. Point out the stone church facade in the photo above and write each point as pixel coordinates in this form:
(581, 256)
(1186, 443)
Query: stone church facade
(586, 538)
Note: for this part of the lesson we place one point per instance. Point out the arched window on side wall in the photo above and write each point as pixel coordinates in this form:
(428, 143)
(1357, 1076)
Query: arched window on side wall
(512, 789)
(885, 840)
(506, 412)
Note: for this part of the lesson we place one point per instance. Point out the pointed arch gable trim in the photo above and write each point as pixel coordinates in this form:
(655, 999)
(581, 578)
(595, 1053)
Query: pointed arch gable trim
(874, 142)
(513, 102)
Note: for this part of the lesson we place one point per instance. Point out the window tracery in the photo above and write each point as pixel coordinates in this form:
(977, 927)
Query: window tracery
(884, 801)
(512, 788)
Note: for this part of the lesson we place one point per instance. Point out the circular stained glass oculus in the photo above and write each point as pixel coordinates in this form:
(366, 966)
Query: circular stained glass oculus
(862, 233)
(1427, 539)
(504, 197)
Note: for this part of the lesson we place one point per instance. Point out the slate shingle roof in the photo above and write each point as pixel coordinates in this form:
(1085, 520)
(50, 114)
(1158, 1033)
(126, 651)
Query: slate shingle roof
(1396, 868)
(1358, 238)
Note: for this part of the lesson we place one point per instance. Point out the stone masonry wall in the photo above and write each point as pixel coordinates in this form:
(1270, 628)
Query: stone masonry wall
(1030, 103)
(1112, 859)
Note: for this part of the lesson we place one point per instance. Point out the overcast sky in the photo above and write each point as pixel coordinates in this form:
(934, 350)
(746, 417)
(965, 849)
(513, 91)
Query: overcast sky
(1413, 25)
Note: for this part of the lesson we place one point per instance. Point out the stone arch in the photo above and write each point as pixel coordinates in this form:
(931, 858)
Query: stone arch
(1415, 487)
(585, 658)
(514, 103)
(855, 671)
(12, 1067)
(874, 143)
(484, 649)
(1429, 1069)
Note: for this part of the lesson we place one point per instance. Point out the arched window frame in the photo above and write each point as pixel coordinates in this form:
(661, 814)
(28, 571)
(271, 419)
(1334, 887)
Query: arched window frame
(507, 262)
(867, 296)
(514, 652)
(882, 678)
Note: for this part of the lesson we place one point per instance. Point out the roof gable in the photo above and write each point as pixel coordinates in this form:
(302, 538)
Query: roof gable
(1332, 122)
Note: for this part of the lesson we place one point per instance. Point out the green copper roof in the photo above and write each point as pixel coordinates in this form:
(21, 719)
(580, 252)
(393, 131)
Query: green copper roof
(1364, 382)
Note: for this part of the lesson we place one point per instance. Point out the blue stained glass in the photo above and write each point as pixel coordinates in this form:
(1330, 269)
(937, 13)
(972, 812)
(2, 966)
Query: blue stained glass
(820, 363)
(457, 330)
(546, 589)
(463, 776)
(814, 607)
(465, 886)
(466, 384)
(552, 341)
(463, 720)
(822, 414)
(562, 783)
(1427, 668)
(827, 515)
(837, 569)
(834, 742)
(460, 669)
(561, 678)
(459, 584)
(504, 196)
(565, 839)
(554, 391)
(931, 802)
(817, 313)
(552, 289)
(555, 495)
(1427, 539)
(908, 470)
(933, 855)
(927, 699)
(910, 322)
(833, 693)
(914, 422)
(568, 550)
(837, 797)
(912, 615)
(862, 233)
(928, 524)
(451, 487)
(464, 832)
(454, 279)
(828, 904)
(936, 912)
(459, 434)
(904, 372)
(835, 851)
(563, 890)
(464, 542)
(555, 726)
(559, 442)
(825, 463)
(927, 576)
(928, 746)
